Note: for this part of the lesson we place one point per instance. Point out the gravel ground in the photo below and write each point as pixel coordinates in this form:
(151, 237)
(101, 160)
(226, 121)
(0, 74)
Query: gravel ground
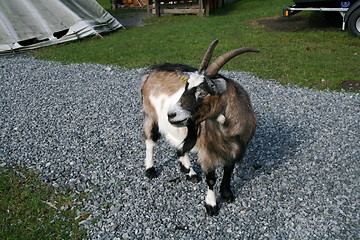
(79, 125)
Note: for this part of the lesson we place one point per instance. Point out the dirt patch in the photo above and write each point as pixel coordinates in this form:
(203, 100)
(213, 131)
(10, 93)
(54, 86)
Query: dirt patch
(131, 18)
(299, 23)
(350, 85)
(135, 19)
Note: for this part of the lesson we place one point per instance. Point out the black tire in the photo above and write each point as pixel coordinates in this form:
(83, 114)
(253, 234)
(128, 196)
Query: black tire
(354, 23)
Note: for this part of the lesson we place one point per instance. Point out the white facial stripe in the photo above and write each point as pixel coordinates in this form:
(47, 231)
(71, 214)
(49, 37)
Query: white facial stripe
(195, 79)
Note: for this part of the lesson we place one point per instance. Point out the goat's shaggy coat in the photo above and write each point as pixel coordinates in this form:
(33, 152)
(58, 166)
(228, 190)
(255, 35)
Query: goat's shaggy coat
(202, 111)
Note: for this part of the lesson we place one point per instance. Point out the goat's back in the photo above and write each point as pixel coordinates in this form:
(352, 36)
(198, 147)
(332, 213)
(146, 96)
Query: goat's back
(161, 82)
(163, 79)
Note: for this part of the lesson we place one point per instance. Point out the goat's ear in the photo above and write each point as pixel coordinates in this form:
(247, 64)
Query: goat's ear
(183, 76)
(220, 85)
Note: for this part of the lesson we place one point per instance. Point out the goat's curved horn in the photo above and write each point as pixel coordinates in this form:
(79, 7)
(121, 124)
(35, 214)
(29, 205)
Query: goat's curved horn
(215, 67)
(205, 62)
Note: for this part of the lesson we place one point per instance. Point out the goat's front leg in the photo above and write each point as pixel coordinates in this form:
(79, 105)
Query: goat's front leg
(225, 189)
(210, 201)
(182, 153)
(152, 134)
(150, 171)
(185, 167)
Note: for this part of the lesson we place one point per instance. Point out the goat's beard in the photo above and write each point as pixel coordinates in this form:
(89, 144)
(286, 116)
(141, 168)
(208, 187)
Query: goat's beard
(190, 139)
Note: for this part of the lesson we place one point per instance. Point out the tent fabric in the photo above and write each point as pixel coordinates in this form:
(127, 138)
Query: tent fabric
(29, 24)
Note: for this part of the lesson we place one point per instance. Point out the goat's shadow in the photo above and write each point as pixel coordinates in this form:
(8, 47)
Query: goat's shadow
(274, 143)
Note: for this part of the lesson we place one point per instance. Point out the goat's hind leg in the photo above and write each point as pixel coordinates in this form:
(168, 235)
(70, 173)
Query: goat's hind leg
(225, 189)
(152, 134)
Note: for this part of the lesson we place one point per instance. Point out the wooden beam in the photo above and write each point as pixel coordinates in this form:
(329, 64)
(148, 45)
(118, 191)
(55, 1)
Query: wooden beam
(179, 11)
(157, 8)
(207, 7)
(148, 11)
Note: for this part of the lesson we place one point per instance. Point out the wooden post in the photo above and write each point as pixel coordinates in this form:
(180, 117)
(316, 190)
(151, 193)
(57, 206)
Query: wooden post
(207, 7)
(157, 8)
(113, 4)
(148, 8)
(201, 7)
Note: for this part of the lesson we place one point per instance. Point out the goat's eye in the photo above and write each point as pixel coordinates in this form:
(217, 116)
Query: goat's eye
(201, 93)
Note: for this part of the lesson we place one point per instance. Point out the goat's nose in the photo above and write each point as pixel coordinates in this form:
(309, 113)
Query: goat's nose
(171, 115)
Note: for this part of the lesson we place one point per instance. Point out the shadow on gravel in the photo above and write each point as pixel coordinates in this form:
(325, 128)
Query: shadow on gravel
(274, 143)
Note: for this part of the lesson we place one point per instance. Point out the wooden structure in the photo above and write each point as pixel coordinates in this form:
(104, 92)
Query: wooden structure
(199, 7)
(134, 3)
(159, 7)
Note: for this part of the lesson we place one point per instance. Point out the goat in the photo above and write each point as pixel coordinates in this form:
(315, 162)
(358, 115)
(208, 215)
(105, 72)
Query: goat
(201, 111)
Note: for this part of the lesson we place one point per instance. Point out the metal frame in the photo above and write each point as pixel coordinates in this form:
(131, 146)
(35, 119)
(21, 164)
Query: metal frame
(345, 11)
(288, 11)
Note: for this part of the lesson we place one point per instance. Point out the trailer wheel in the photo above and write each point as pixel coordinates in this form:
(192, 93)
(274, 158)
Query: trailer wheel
(354, 23)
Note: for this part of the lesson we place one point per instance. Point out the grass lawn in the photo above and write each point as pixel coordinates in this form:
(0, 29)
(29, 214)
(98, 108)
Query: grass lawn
(29, 209)
(314, 56)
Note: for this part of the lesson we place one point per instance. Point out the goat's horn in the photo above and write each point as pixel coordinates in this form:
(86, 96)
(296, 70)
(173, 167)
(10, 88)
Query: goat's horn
(215, 67)
(205, 62)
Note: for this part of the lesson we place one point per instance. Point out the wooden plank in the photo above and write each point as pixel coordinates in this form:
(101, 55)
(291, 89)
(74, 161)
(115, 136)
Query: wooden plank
(177, 7)
(141, 3)
(181, 5)
(179, 11)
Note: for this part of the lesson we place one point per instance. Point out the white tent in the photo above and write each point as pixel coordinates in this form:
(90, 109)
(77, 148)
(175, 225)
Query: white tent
(29, 24)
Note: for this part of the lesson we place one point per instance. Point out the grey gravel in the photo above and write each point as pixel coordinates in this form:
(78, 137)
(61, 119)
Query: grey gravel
(79, 126)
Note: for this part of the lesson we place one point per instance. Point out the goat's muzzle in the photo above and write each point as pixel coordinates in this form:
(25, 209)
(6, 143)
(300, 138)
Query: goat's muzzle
(177, 120)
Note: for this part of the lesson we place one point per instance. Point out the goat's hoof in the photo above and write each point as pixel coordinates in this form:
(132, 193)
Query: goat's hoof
(184, 169)
(151, 173)
(193, 178)
(227, 197)
(212, 210)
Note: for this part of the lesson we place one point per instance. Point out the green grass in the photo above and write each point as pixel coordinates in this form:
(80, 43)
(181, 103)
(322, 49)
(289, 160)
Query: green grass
(320, 58)
(29, 209)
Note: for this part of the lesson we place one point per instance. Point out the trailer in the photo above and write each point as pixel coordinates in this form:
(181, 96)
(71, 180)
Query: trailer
(349, 10)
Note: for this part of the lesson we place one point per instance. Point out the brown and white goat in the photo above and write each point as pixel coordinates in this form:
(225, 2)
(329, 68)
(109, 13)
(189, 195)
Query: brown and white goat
(202, 111)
